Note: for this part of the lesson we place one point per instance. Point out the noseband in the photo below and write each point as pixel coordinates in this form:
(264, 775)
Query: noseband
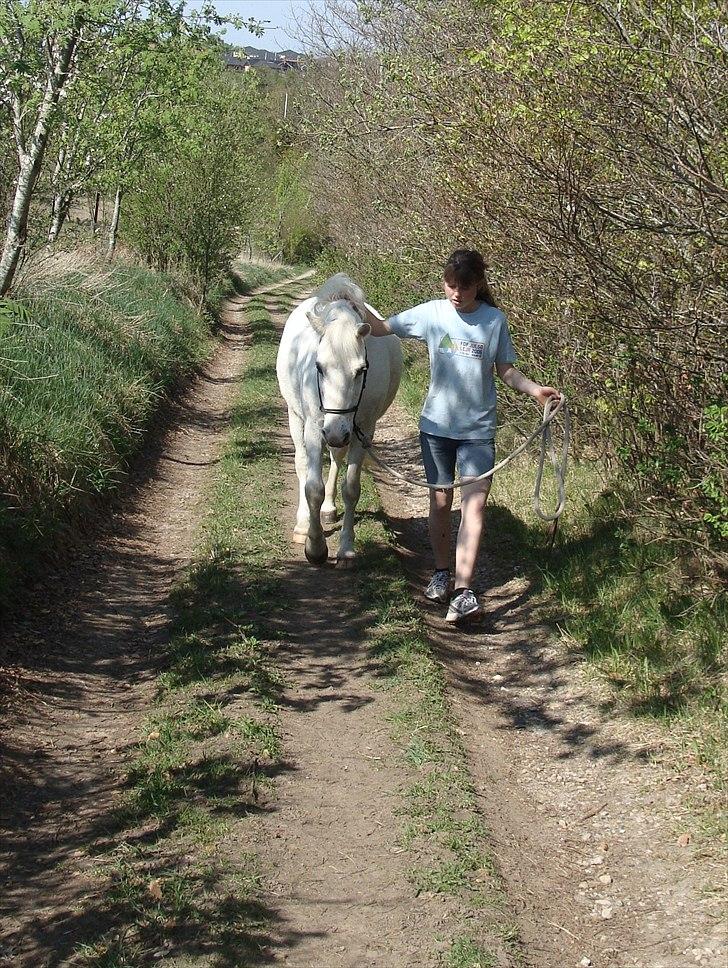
(364, 440)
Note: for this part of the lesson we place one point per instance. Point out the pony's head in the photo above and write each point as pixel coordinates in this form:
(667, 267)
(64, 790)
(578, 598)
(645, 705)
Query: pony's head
(341, 359)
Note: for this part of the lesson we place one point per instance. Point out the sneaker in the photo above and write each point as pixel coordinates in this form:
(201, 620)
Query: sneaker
(463, 605)
(439, 588)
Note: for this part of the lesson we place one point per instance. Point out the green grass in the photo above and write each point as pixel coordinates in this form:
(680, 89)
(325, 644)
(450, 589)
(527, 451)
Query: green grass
(621, 599)
(80, 381)
(180, 876)
(246, 276)
(466, 953)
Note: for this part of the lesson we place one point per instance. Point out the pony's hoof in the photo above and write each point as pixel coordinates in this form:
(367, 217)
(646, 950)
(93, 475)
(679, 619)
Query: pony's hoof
(299, 538)
(329, 517)
(346, 561)
(316, 558)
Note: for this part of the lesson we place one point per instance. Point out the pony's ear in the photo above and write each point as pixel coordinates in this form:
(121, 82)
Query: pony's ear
(316, 322)
(364, 329)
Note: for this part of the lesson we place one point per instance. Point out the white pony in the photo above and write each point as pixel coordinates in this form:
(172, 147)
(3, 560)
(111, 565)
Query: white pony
(337, 381)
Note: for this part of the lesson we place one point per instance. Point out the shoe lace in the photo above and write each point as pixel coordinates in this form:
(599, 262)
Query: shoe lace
(466, 598)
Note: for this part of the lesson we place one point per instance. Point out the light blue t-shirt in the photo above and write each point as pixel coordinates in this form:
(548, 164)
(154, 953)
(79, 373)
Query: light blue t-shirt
(463, 347)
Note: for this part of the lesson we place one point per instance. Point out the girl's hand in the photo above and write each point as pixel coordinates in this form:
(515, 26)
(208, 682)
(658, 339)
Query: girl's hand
(544, 394)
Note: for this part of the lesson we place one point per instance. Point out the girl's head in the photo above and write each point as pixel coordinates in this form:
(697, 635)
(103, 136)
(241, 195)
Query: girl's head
(465, 282)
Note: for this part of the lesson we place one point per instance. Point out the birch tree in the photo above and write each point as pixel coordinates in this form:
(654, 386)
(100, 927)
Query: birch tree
(37, 56)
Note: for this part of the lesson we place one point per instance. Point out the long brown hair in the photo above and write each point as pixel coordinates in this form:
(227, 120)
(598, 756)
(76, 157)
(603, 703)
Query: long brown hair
(466, 266)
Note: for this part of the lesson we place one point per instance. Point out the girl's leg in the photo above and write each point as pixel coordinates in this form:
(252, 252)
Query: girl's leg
(438, 457)
(475, 457)
(439, 524)
(472, 516)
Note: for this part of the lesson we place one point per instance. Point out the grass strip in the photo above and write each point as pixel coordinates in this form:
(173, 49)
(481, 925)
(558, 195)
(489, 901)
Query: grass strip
(81, 374)
(442, 826)
(179, 867)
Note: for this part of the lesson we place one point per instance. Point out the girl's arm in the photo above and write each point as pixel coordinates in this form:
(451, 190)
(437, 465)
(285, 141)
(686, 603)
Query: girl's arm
(379, 326)
(515, 379)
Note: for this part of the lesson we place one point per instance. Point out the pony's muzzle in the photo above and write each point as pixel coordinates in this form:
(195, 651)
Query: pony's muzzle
(336, 437)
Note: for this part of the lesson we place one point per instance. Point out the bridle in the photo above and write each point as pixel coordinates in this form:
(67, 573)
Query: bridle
(365, 441)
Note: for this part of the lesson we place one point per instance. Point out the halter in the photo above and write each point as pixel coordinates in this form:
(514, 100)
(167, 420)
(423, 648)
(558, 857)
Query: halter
(364, 440)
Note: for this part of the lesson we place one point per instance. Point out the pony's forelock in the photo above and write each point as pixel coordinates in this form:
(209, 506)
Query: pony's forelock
(338, 287)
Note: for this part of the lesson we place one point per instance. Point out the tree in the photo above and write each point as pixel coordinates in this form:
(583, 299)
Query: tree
(38, 51)
(200, 190)
(61, 52)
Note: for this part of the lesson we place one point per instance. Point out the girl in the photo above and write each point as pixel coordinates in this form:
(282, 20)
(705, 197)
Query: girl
(467, 336)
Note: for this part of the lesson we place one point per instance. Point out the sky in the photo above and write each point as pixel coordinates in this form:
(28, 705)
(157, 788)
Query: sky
(280, 33)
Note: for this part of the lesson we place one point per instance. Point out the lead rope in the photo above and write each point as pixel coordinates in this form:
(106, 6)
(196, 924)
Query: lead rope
(558, 462)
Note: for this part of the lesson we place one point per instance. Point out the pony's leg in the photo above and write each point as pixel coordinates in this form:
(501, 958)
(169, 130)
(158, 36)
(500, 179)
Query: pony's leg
(350, 491)
(316, 549)
(328, 508)
(295, 425)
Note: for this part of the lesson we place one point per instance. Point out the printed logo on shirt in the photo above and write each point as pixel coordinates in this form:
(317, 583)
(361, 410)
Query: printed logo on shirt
(461, 347)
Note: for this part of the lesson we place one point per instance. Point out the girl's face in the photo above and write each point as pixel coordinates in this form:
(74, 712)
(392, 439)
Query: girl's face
(463, 298)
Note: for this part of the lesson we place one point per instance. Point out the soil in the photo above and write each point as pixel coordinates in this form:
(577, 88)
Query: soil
(585, 820)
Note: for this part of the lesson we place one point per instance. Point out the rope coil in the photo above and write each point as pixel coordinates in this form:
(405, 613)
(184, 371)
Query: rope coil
(558, 461)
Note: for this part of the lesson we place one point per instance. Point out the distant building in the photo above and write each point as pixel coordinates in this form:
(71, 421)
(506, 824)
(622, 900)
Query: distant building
(249, 58)
(233, 62)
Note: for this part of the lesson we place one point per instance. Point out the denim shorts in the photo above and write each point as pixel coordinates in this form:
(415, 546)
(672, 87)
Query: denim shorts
(440, 455)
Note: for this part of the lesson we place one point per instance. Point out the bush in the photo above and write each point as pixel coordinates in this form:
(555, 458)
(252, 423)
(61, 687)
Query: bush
(191, 208)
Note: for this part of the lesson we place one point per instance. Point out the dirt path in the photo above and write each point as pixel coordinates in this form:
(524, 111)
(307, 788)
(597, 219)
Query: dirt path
(585, 817)
(87, 657)
(90, 657)
(568, 796)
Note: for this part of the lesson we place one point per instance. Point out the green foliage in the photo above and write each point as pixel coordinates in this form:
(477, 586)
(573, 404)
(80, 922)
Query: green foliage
(12, 311)
(287, 226)
(715, 484)
(105, 85)
(194, 202)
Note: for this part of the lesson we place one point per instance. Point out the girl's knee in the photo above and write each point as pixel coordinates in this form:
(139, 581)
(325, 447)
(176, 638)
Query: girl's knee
(440, 500)
(477, 493)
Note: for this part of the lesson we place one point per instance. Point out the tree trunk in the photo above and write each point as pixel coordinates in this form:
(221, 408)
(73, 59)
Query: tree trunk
(31, 161)
(95, 216)
(18, 221)
(113, 230)
(61, 207)
(56, 217)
